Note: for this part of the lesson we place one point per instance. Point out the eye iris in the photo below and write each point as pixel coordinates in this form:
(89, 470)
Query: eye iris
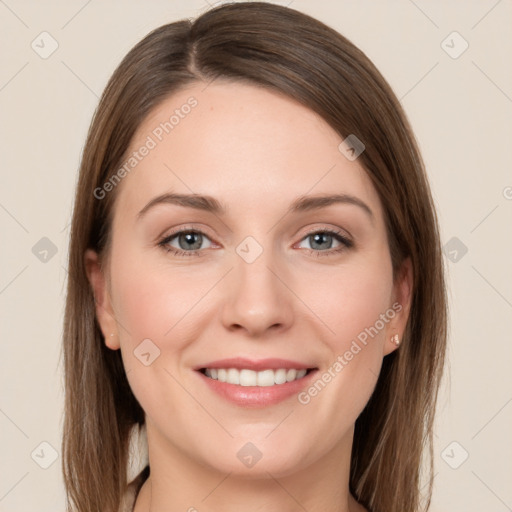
(319, 238)
(191, 240)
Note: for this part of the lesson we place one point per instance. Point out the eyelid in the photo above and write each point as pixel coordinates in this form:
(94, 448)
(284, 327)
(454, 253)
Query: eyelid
(181, 228)
(343, 233)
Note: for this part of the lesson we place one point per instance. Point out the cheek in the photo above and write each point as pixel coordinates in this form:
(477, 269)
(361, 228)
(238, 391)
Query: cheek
(351, 299)
(152, 302)
(356, 306)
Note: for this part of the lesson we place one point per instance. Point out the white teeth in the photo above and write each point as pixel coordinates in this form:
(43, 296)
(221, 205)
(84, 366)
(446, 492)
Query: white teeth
(290, 375)
(280, 376)
(251, 378)
(247, 378)
(266, 378)
(233, 376)
(301, 373)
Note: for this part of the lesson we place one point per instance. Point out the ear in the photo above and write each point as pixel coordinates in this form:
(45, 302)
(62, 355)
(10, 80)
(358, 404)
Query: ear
(102, 300)
(401, 305)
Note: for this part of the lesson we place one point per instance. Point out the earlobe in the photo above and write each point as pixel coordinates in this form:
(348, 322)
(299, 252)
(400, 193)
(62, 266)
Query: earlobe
(395, 339)
(103, 304)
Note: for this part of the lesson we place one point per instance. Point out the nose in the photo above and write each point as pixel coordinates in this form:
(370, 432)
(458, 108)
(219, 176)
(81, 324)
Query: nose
(257, 298)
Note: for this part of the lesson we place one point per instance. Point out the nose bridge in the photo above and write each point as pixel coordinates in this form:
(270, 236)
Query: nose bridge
(257, 300)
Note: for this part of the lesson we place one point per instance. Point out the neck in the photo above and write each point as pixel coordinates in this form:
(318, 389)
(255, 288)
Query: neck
(177, 482)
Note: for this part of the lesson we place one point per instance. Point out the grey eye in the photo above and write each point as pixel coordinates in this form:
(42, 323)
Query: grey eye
(320, 241)
(187, 240)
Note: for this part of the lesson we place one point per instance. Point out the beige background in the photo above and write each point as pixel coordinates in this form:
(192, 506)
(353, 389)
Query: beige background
(460, 109)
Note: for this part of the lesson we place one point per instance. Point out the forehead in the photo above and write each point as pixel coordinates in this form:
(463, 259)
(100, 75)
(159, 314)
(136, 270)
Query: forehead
(241, 143)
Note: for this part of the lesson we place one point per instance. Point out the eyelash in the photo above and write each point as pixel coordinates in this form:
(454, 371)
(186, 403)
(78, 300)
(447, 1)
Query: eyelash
(345, 242)
(338, 235)
(180, 252)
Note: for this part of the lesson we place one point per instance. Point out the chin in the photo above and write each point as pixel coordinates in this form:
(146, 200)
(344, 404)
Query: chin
(255, 460)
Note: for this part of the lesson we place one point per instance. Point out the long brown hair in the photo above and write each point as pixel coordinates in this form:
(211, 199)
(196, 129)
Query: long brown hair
(286, 51)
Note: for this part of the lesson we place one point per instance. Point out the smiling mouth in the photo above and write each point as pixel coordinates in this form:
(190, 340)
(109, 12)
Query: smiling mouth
(264, 378)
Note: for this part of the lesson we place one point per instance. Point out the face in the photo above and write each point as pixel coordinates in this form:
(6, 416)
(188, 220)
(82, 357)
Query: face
(261, 270)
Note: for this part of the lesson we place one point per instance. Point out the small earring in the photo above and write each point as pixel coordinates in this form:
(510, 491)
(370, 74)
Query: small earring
(395, 339)
(111, 334)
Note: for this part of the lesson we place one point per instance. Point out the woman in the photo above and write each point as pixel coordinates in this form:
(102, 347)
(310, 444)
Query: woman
(256, 280)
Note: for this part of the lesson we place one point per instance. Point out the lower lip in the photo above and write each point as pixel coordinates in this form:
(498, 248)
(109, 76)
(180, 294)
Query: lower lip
(257, 396)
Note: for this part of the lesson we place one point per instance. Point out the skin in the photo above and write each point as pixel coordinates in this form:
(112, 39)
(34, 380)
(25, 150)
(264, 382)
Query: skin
(256, 152)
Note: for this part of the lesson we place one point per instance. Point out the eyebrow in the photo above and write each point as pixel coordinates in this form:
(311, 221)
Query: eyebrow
(306, 203)
(212, 205)
(196, 201)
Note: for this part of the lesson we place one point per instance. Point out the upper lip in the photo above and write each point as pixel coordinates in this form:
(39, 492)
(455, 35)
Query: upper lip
(256, 365)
